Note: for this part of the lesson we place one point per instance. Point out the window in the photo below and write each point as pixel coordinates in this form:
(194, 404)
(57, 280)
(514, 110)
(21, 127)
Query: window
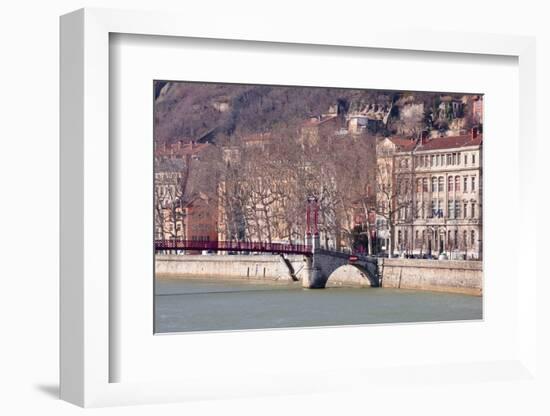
(432, 157)
(473, 211)
(457, 183)
(465, 184)
(465, 210)
(425, 184)
(473, 187)
(437, 160)
(473, 238)
(454, 158)
(423, 236)
(434, 184)
(449, 159)
(416, 235)
(418, 185)
(406, 237)
(473, 159)
(441, 184)
(450, 209)
(457, 209)
(434, 209)
(458, 157)
(450, 184)
(456, 238)
(465, 238)
(466, 159)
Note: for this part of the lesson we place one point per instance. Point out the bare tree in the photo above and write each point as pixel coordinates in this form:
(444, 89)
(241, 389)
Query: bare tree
(394, 197)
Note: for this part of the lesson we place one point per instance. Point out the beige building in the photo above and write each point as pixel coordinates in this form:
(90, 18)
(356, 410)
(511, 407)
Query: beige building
(169, 215)
(173, 195)
(388, 200)
(438, 197)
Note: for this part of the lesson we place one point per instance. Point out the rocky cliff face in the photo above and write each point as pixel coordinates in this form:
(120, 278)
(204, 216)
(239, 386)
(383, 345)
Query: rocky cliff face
(208, 112)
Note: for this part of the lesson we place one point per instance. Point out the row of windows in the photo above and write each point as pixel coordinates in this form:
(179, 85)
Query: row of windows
(453, 183)
(448, 159)
(455, 210)
(159, 235)
(468, 239)
(165, 190)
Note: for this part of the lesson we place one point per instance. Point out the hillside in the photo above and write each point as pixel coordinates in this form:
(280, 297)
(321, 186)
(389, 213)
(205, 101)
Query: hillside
(199, 111)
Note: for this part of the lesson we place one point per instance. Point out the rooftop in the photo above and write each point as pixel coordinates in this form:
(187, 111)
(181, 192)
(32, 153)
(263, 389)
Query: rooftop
(451, 142)
(257, 138)
(315, 121)
(180, 149)
(404, 144)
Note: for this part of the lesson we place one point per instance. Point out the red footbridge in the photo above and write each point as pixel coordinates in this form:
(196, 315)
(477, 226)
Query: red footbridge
(233, 246)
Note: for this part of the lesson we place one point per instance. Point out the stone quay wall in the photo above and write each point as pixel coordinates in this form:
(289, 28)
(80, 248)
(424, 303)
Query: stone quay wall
(238, 267)
(457, 276)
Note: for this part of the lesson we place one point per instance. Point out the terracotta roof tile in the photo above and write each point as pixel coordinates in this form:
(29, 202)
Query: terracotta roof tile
(451, 142)
(404, 144)
(257, 137)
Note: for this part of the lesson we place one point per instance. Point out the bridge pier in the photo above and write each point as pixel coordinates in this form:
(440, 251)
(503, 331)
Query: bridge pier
(314, 277)
(323, 263)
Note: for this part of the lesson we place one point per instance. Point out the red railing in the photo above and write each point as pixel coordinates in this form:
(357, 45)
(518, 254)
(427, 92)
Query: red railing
(236, 246)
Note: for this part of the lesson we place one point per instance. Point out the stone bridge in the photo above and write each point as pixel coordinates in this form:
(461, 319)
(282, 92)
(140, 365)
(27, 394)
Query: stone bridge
(326, 265)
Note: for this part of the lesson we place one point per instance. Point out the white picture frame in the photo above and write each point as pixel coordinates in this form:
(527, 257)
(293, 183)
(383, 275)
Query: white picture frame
(86, 291)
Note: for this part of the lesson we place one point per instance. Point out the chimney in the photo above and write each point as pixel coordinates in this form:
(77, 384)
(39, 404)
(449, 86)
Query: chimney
(474, 133)
(423, 137)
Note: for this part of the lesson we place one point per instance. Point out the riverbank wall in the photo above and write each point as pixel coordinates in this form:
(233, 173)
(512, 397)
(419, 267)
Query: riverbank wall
(239, 267)
(457, 276)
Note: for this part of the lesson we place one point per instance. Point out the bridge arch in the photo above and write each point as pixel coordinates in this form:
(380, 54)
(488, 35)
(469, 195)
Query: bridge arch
(353, 275)
(363, 270)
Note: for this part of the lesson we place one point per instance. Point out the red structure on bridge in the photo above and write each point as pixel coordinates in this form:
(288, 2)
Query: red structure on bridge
(233, 246)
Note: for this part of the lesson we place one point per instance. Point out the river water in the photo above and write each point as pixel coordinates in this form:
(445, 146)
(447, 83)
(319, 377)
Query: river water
(206, 305)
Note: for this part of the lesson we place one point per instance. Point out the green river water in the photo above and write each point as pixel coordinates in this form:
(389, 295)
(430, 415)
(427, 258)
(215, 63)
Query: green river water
(214, 305)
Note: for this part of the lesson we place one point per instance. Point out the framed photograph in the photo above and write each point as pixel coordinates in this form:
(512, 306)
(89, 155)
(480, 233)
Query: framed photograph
(273, 213)
(264, 191)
